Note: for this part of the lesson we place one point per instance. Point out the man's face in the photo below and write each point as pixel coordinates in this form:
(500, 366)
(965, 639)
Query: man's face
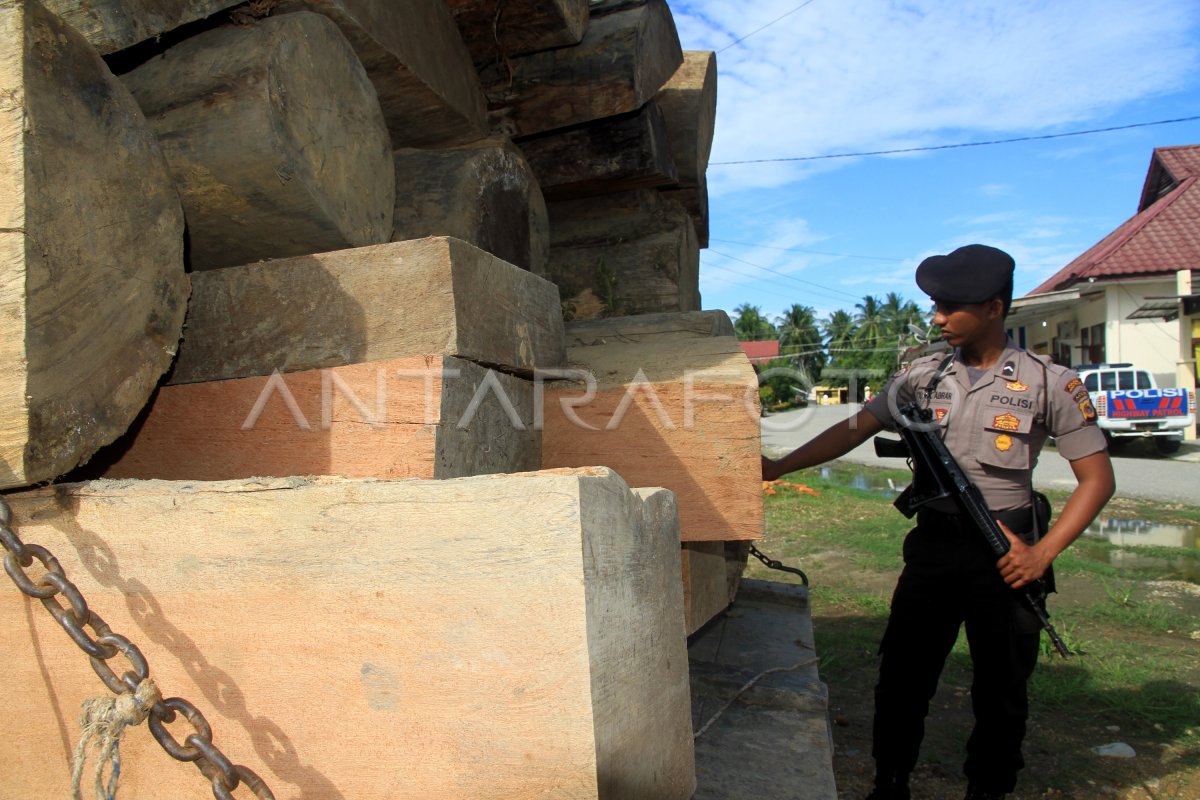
(963, 323)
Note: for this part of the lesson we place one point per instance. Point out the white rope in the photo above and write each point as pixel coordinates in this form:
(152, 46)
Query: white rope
(103, 721)
(744, 689)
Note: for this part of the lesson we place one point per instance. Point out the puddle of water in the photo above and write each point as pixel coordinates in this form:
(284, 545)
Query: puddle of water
(866, 482)
(1134, 534)
(1127, 535)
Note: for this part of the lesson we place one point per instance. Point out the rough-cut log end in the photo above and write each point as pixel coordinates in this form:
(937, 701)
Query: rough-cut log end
(628, 151)
(435, 296)
(92, 286)
(421, 69)
(624, 59)
(689, 103)
(515, 637)
(695, 200)
(498, 29)
(416, 417)
(276, 140)
(112, 25)
(484, 193)
(636, 251)
(671, 404)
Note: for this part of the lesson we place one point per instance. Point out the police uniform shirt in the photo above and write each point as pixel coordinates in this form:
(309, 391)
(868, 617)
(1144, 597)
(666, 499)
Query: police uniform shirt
(995, 428)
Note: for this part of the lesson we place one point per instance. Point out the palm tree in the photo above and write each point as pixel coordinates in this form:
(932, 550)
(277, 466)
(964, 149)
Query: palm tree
(870, 322)
(799, 336)
(839, 331)
(750, 325)
(893, 312)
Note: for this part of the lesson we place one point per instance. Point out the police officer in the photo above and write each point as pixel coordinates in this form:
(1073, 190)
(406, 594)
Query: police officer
(995, 404)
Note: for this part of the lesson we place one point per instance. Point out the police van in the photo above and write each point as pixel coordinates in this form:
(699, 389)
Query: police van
(1129, 405)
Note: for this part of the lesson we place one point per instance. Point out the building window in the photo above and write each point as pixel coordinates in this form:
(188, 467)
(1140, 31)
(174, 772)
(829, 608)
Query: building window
(1091, 344)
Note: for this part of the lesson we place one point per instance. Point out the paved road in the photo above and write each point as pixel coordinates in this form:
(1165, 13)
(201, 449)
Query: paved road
(1140, 472)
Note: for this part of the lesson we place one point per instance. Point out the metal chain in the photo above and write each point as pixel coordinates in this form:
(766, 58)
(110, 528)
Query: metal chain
(74, 617)
(779, 565)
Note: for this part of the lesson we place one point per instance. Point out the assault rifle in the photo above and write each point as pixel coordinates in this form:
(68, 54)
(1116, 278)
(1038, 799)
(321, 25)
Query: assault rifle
(936, 475)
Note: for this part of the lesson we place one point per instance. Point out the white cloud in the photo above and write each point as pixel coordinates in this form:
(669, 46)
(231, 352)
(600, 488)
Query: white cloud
(871, 75)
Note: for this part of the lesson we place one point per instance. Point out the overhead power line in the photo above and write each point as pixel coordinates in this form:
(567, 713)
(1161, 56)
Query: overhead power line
(783, 274)
(764, 27)
(809, 252)
(958, 145)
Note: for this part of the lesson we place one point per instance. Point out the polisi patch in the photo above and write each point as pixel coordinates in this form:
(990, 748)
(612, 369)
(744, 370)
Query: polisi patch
(1003, 442)
(941, 413)
(1072, 385)
(1009, 400)
(1016, 386)
(1006, 422)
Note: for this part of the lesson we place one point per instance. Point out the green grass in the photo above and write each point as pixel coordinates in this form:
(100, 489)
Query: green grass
(1135, 664)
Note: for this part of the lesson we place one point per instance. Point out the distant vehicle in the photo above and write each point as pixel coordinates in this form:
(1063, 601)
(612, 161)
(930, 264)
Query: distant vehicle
(1129, 405)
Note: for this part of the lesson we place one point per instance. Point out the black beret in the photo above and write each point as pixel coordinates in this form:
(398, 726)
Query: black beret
(974, 273)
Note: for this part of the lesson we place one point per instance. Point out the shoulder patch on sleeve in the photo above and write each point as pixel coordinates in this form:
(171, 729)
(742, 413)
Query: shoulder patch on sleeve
(1088, 411)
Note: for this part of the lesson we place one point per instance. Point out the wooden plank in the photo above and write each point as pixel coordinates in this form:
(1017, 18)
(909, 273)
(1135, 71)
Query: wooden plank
(92, 284)
(624, 59)
(628, 151)
(112, 25)
(689, 104)
(680, 412)
(416, 58)
(275, 140)
(705, 583)
(369, 304)
(415, 417)
(484, 193)
(651, 327)
(501, 29)
(510, 638)
(636, 251)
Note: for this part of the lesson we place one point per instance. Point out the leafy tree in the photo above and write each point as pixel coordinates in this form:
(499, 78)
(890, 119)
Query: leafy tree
(779, 381)
(750, 325)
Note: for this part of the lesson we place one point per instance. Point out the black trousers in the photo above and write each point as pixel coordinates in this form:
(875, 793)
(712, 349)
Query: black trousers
(949, 580)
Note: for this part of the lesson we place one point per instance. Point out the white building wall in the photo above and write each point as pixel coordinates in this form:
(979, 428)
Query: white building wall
(1151, 344)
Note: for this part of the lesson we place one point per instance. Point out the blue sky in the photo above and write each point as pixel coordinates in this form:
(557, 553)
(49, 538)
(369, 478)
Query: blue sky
(840, 76)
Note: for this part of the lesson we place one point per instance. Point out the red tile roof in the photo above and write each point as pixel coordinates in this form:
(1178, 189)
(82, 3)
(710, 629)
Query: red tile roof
(761, 351)
(1163, 237)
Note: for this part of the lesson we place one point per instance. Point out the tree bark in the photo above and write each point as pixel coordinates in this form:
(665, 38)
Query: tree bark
(275, 139)
(483, 193)
(628, 151)
(499, 29)
(92, 285)
(420, 67)
(624, 59)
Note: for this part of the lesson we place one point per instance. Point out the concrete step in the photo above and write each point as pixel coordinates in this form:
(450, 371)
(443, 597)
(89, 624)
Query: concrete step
(757, 695)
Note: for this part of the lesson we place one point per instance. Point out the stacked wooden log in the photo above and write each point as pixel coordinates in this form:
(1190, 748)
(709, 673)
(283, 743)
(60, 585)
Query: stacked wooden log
(623, 110)
(376, 214)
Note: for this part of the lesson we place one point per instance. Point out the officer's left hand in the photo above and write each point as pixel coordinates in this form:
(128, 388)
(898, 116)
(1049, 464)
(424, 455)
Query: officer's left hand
(1022, 564)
